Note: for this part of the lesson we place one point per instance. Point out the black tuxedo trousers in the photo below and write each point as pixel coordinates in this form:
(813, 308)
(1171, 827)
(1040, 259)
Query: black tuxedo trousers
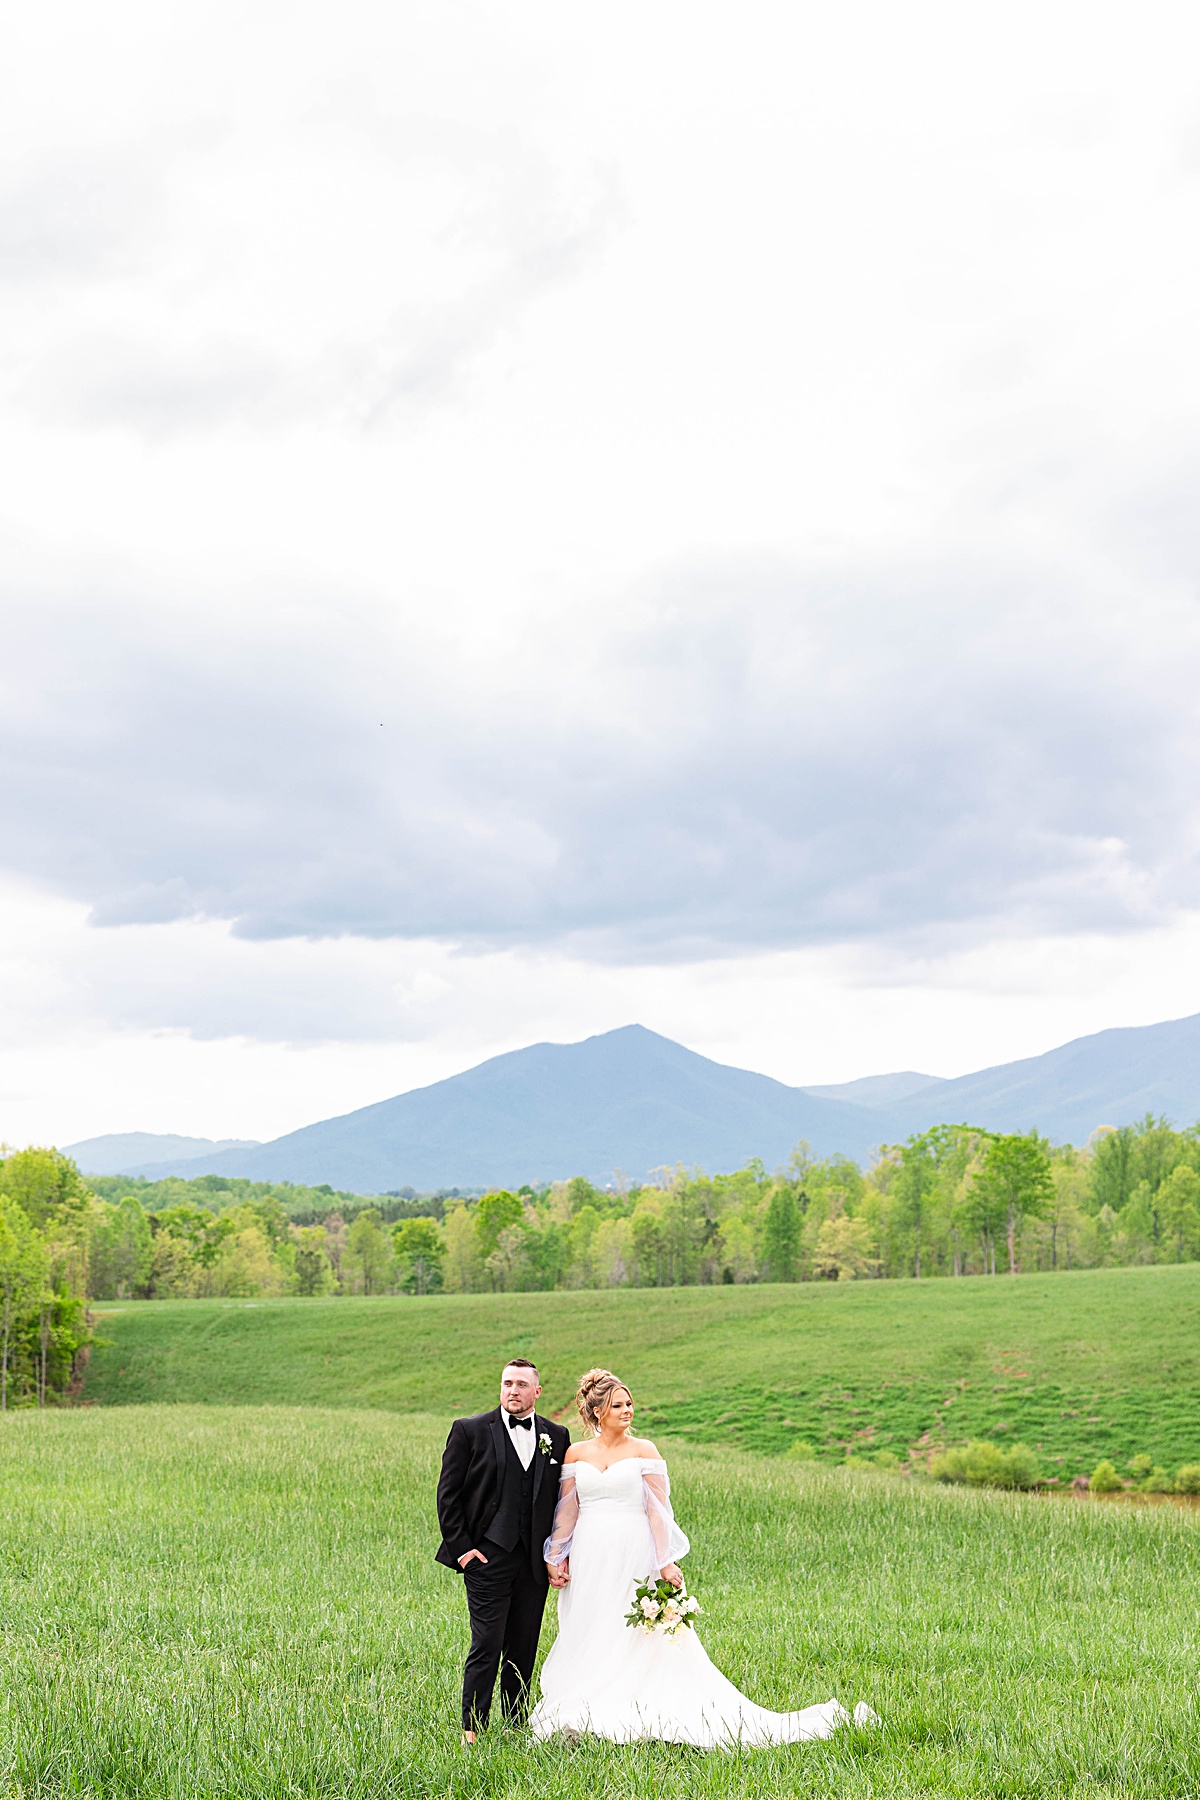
(505, 1606)
(488, 1501)
(504, 1601)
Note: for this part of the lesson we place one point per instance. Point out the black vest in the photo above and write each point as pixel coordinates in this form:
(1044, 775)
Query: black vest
(513, 1523)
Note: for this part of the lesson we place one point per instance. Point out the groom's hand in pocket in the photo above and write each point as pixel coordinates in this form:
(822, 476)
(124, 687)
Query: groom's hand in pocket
(470, 1557)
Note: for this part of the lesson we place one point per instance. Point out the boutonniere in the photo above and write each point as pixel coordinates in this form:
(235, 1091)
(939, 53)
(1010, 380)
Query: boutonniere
(544, 1444)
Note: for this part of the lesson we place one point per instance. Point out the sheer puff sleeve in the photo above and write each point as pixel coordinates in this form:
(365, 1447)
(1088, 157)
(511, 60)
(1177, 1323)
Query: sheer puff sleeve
(669, 1542)
(558, 1545)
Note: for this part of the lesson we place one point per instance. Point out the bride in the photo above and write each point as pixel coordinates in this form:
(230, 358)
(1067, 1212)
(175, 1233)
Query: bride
(613, 1527)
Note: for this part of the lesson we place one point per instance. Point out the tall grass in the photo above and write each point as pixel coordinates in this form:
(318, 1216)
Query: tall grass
(213, 1601)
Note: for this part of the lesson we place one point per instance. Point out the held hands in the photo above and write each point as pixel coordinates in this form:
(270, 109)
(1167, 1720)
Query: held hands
(470, 1556)
(673, 1573)
(559, 1573)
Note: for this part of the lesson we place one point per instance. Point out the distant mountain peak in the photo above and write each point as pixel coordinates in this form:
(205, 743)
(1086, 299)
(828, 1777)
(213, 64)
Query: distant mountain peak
(122, 1152)
(878, 1090)
(632, 1100)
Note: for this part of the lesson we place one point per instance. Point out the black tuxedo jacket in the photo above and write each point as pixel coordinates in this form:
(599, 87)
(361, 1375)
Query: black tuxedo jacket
(468, 1492)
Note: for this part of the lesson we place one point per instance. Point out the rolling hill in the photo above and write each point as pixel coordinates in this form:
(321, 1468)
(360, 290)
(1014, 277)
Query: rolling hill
(1075, 1365)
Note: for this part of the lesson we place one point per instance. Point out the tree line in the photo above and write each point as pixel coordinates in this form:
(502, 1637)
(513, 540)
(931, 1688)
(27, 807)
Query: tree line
(954, 1200)
(303, 1205)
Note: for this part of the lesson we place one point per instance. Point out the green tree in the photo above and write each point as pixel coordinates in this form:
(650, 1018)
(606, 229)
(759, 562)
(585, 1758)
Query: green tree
(843, 1250)
(1016, 1180)
(799, 1162)
(1065, 1212)
(508, 1264)
(1114, 1166)
(494, 1214)
(548, 1250)
(271, 1217)
(312, 1269)
(645, 1227)
(198, 1230)
(47, 1314)
(420, 1250)
(462, 1271)
(335, 1229)
(23, 1278)
(740, 1256)
(612, 1253)
(172, 1266)
(582, 1236)
(782, 1227)
(922, 1158)
(244, 1263)
(120, 1250)
(1179, 1202)
(366, 1261)
(49, 1189)
(581, 1193)
(1137, 1227)
(1159, 1149)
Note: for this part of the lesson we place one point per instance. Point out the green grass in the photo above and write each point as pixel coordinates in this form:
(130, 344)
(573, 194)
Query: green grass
(1103, 1363)
(242, 1602)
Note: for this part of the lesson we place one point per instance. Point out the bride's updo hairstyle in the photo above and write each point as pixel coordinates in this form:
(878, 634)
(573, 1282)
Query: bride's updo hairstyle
(596, 1390)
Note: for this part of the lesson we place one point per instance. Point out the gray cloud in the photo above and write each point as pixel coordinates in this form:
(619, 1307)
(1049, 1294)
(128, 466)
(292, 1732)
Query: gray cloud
(744, 757)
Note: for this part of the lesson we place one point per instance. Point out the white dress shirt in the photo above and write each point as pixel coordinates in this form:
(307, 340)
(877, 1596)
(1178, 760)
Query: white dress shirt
(524, 1440)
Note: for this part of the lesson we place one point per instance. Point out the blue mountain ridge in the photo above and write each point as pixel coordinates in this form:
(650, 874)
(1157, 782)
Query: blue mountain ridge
(630, 1101)
(113, 1153)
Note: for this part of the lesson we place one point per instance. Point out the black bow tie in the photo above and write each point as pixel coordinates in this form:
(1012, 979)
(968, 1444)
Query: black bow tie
(519, 1424)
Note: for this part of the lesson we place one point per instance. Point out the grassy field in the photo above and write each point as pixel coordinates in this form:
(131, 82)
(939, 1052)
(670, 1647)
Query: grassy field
(1102, 1363)
(242, 1602)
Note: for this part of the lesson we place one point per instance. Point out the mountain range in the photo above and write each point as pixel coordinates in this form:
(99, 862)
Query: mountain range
(630, 1101)
(124, 1152)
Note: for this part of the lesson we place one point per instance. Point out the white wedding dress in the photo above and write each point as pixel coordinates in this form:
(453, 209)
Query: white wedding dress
(605, 1677)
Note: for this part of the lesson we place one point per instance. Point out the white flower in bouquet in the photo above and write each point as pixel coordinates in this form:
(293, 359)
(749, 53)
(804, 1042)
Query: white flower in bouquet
(660, 1607)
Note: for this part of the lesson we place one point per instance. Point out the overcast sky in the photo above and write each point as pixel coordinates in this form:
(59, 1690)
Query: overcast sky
(518, 519)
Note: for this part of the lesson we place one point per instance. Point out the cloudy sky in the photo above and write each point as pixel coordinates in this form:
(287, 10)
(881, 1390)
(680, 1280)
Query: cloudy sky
(517, 519)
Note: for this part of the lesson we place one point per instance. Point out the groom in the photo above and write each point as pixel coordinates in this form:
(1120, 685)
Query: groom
(495, 1501)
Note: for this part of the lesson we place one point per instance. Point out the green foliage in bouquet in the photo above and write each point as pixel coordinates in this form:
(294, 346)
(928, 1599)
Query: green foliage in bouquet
(657, 1606)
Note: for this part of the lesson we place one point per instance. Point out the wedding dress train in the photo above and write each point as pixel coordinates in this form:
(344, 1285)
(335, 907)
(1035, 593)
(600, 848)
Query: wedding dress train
(604, 1677)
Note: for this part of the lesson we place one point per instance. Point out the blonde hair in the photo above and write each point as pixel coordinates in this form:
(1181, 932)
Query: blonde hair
(594, 1398)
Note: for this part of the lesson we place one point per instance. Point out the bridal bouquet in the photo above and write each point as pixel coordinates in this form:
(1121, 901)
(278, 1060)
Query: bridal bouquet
(657, 1606)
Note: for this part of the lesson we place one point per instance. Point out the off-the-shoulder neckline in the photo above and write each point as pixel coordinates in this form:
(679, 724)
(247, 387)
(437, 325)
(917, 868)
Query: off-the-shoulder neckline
(582, 1461)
